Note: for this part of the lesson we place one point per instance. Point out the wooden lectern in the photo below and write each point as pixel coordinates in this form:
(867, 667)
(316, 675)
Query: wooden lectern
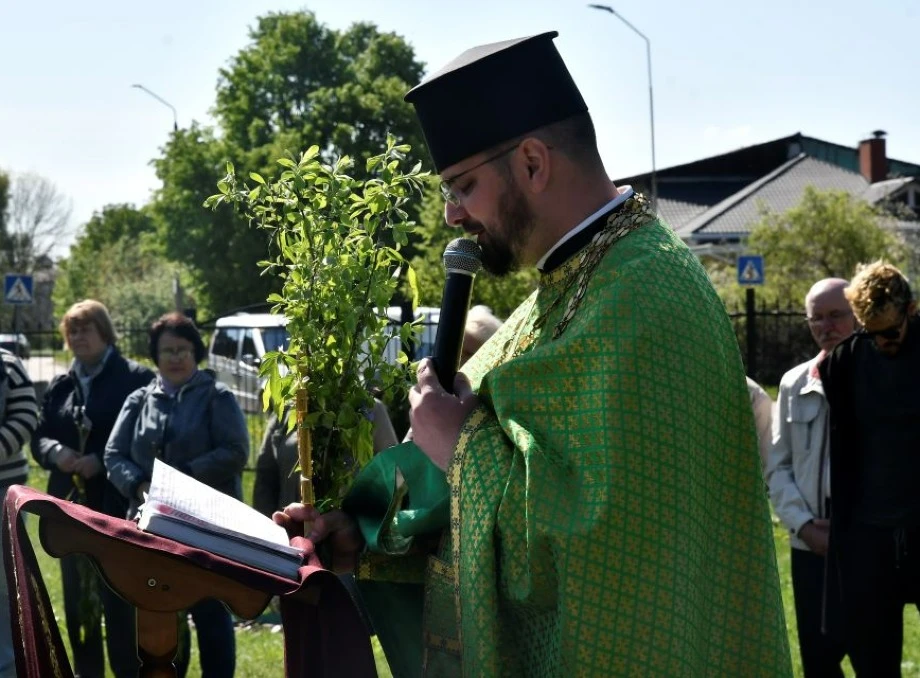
(323, 632)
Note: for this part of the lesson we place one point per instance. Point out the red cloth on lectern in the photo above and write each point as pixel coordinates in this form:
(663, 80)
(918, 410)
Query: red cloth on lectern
(323, 639)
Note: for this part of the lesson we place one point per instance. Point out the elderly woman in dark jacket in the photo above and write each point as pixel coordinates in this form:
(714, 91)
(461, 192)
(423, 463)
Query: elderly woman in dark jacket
(193, 423)
(77, 414)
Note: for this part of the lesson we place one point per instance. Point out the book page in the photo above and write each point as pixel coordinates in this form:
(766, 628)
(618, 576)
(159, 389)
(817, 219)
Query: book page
(189, 498)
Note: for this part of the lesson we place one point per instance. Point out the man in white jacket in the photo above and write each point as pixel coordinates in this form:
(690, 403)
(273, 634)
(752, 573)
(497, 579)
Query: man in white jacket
(798, 475)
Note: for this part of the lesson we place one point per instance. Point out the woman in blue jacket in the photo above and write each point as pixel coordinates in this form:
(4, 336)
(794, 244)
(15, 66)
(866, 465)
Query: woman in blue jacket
(193, 423)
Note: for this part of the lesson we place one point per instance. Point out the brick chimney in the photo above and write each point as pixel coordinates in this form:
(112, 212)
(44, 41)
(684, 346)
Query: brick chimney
(873, 163)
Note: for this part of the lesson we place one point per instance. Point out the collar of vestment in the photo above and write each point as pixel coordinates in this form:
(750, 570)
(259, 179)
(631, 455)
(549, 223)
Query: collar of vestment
(569, 281)
(576, 239)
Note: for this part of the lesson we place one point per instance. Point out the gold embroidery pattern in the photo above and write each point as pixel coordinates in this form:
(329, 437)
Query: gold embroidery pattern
(575, 275)
(611, 519)
(454, 474)
(634, 213)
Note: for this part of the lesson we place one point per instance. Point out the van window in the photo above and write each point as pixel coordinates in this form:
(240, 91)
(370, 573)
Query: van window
(225, 342)
(249, 345)
(275, 338)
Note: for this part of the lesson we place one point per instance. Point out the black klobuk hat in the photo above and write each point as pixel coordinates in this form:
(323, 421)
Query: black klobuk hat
(494, 93)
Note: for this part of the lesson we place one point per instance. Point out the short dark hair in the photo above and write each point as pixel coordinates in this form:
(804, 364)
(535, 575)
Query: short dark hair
(181, 326)
(574, 137)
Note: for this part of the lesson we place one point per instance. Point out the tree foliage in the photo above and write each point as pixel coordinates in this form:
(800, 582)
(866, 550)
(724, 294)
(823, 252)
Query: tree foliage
(117, 260)
(826, 235)
(4, 199)
(297, 84)
(219, 247)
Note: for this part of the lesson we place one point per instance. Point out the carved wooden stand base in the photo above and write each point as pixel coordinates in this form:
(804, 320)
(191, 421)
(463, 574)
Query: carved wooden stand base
(324, 635)
(159, 587)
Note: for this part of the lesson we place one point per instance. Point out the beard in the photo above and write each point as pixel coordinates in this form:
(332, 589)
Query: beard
(503, 245)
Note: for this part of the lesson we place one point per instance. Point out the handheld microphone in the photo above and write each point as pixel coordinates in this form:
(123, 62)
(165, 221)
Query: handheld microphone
(462, 261)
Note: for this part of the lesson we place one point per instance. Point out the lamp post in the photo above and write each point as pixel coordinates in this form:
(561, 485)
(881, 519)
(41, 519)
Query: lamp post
(162, 101)
(651, 100)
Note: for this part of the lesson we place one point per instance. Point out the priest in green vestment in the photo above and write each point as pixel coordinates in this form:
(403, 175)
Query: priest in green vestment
(588, 501)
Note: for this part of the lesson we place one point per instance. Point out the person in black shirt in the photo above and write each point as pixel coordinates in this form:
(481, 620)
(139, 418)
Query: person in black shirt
(872, 383)
(77, 414)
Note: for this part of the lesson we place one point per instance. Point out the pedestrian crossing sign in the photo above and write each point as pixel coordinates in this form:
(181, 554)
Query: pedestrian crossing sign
(750, 270)
(17, 289)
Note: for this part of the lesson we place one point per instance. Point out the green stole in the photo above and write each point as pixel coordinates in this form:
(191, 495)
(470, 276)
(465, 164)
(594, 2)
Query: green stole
(604, 511)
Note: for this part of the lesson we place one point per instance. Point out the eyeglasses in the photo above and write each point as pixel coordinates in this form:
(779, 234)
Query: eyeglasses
(177, 353)
(450, 194)
(833, 316)
(889, 333)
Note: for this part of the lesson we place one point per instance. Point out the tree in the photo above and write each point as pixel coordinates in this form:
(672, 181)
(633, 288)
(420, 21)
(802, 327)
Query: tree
(343, 90)
(826, 235)
(298, 83)
(118, 260)
(502, 295)
(218, 246)
(35, 219)
(4, 199)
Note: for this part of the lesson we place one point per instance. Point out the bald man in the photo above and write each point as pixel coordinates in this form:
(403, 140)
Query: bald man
(798, 474)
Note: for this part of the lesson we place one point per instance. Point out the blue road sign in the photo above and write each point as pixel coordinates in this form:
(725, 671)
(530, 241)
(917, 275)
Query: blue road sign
(17, 289)
(750, 270)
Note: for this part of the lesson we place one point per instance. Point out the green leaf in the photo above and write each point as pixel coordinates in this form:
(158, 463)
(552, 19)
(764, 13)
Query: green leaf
(257, 178)
(412, 281)
(266, 399)
(309, 154)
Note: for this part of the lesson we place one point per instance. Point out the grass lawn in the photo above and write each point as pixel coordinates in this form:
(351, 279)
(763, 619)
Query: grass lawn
(259, 647)
(910, 664)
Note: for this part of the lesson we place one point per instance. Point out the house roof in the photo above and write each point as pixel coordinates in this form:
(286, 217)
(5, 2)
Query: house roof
(678, 212)
(884, 189)
(780, 190)
(752, 162)
(718, 197)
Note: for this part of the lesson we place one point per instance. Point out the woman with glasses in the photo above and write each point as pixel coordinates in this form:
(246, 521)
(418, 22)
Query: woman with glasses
(78, 411)
(192, 422)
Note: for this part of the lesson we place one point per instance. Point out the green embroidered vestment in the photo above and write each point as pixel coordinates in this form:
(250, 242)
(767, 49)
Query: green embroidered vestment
(607, 511)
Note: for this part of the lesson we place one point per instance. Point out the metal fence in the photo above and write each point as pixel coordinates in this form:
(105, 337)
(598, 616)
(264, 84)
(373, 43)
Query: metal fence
(772, 340)
(781, 340)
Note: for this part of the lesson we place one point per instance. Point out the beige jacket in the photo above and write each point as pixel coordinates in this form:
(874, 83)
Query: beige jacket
(798, 466)
(762, 405)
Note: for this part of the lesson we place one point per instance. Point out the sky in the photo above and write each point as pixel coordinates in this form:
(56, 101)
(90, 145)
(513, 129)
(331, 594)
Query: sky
(726, 74)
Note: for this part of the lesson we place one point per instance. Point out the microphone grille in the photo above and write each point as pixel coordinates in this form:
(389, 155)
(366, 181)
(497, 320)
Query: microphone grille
(462, 254)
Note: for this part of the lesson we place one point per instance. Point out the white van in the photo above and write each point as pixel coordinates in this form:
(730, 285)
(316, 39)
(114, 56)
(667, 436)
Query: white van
(238, 344)
(240, 341)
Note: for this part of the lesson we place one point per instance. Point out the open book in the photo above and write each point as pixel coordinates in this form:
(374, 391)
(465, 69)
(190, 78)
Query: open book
(185, 510)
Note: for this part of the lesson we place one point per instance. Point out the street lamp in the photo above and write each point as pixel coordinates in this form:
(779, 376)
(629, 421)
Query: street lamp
(651, 100)
(162, 101)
